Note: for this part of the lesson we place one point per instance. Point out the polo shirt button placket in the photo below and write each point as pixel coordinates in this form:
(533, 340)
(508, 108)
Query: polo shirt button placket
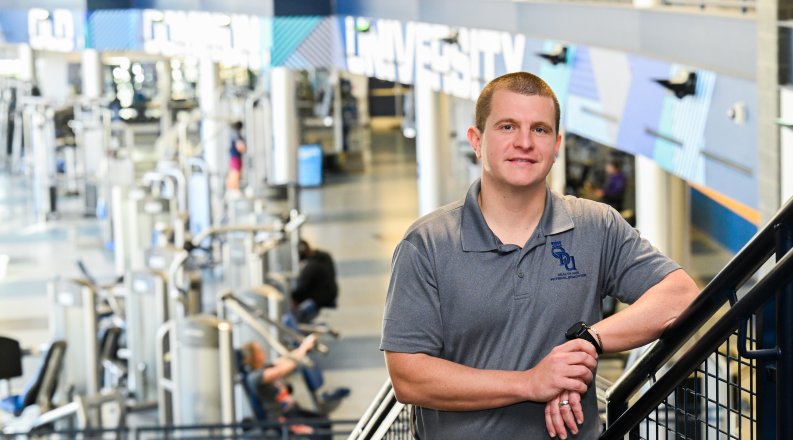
(520, 274)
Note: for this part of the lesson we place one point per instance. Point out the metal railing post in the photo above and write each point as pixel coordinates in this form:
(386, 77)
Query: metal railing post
(784, 331)
(766, 371)
(614, 409)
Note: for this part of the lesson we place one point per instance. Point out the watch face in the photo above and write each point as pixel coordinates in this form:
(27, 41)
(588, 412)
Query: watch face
(576, 330)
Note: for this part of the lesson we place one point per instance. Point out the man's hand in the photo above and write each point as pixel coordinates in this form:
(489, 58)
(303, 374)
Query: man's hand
(436, 383)
(301, 429)
(558, 416)
(309, 343)
(568, 367)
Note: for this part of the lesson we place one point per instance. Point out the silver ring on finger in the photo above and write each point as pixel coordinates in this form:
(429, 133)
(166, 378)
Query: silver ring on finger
(564, 403)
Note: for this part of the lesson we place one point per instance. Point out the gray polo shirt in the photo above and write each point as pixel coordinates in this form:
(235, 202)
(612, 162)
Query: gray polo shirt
(458, 293)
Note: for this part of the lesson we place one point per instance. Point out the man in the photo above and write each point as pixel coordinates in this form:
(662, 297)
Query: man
(483, 290)
(316, 282)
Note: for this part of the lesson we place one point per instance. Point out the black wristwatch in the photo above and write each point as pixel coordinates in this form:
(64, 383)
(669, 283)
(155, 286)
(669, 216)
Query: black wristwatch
(579, 331)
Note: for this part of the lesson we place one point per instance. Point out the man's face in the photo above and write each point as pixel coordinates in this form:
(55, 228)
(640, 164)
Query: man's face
(519, 142)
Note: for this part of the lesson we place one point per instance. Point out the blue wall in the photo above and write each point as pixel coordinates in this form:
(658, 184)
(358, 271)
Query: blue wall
(721, 224)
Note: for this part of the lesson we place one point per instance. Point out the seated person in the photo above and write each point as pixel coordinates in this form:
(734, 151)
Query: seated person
(268, 382)
(316, 282)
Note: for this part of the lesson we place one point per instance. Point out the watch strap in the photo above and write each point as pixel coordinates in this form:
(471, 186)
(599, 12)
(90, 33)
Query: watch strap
(583, 333)
(597, 335)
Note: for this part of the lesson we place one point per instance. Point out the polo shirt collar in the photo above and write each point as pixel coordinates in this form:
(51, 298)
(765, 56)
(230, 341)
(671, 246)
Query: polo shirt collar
(556, 219)
(476, 236)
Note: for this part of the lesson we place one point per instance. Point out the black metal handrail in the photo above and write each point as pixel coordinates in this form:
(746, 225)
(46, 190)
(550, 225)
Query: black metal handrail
(718, 292)
(335, 428)
(782, 273)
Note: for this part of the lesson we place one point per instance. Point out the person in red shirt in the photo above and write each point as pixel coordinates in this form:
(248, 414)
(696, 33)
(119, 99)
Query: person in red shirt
(236, 151)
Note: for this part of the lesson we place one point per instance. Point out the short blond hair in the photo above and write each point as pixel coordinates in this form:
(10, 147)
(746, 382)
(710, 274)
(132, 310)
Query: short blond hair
(246, 353)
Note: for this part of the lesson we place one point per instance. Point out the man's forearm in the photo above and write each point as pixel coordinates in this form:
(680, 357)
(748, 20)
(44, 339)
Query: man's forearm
(649, 316)
(281, 368)
(436, 383)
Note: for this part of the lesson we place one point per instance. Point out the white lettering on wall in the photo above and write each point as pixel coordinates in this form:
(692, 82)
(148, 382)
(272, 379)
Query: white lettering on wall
(51, 31)
(458, 80)
(229, 39)
(489, 44)
(426, 54)
(384, 64)
(513, 51)
(414, 51)
(405, 46)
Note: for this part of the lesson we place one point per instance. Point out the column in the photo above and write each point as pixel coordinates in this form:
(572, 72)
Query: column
(54, 80)
(662, 213)
(445, 154)
(786, 144)
(787, 166)
(678, 223)
(338, 117)
(164, 93)
(428, 120)
(557, 179)
(258, 133)
(360, 89)
(27, 64)
(92, 140)
(772, 59)
(211, 135)
(285, 128)
(651, 202)
(91, 73)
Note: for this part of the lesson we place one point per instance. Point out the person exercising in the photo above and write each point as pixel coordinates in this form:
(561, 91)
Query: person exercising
(236, 151)
(268, 381)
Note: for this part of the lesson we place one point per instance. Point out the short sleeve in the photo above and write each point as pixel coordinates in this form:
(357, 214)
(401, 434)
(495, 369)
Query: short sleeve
(255, 378)
(412, 322)
(632, 264)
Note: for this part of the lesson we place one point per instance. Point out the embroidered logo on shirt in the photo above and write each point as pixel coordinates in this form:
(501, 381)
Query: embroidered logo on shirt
(566, 260)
